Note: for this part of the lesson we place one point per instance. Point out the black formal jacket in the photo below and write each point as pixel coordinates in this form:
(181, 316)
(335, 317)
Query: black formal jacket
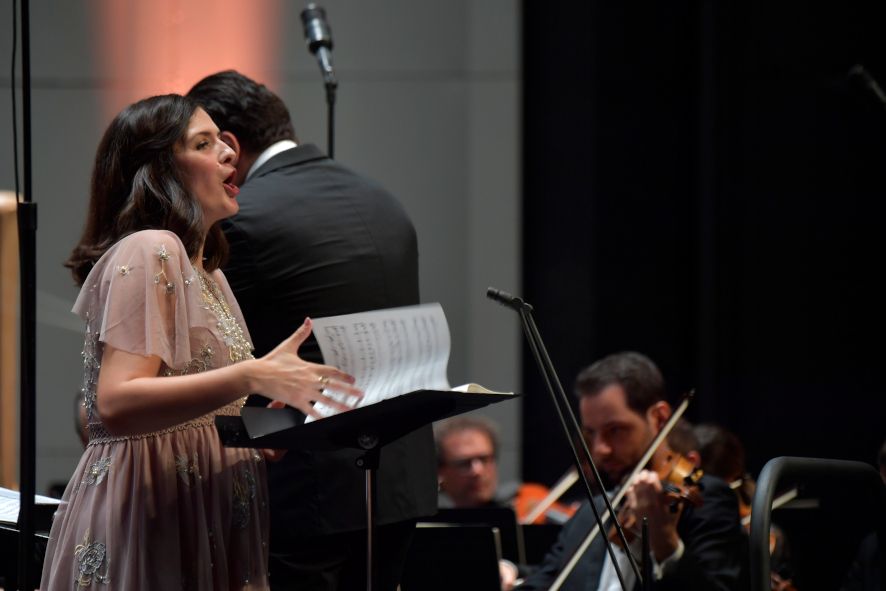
(313, 238)
(712, 561)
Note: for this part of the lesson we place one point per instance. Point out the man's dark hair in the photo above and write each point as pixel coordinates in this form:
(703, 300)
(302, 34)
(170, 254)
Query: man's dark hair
(722, 453)
(249, 110)
(634, 372)
(682, 438)
(479, 423)
(137, 185)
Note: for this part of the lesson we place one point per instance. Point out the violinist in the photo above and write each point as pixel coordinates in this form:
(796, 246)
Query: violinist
(723, 455)
(682, 440)
(623, 408)
(467, 466)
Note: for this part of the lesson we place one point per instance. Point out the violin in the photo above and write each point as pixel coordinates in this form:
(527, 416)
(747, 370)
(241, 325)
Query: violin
(530, 496)
(535, 503)
(681, 481)
(781, 584)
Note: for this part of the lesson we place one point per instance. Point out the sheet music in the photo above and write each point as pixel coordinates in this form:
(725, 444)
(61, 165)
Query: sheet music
(390, 352)
(9, 504)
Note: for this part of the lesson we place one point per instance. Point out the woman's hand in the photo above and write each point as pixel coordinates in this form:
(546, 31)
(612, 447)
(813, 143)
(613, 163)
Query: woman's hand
(283, 375)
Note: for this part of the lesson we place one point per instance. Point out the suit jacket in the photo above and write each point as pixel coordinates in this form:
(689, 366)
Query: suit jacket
(313, 238)
(711, 534)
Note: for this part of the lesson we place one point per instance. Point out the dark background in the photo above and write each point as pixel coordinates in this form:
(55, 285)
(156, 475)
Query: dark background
(704, 184)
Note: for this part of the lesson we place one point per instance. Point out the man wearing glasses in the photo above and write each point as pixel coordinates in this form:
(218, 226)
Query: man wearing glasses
(467, 447)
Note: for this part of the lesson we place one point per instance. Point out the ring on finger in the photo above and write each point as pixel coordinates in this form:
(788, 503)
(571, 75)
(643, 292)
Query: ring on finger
(324, 381)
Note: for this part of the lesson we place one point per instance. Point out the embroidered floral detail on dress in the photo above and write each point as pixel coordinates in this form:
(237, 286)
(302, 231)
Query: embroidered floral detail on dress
(187, 467)
(160, 277)
(91, 558)
(91, 365)
(124, 270)
(239, 348)
(196, 365)
(161, 253)
(96, 472)
(244, 493)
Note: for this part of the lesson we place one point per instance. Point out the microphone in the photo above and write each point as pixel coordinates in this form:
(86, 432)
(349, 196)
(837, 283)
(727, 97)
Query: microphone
(506, 299)
(318, 37)
(860, 73)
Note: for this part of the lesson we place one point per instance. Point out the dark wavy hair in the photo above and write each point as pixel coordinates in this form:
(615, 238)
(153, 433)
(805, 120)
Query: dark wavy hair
(136, 185)
(249, 110)
(634, 372)
(721, 451)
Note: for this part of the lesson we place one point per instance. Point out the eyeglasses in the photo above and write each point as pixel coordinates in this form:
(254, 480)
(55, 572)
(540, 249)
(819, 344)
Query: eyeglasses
(466, 464)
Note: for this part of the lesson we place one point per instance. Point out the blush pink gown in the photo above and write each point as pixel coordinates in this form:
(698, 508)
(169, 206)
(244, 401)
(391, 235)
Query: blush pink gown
(173, 509)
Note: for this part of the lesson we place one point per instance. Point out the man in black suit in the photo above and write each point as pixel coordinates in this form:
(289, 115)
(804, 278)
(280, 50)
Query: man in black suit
(623, 408)
(313, 238)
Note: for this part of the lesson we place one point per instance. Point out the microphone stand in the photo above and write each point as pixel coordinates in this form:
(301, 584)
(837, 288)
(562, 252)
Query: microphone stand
(319, 39)
(27, 232)
(331, 85)
(569, 423)
(647, 556)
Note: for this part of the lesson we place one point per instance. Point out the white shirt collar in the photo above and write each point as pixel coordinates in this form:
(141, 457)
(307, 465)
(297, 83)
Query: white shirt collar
(269, 153)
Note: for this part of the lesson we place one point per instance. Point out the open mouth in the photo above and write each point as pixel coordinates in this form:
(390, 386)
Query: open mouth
(230, 188)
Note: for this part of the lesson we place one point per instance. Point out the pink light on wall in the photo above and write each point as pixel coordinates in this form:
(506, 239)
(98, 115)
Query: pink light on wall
(153, 47)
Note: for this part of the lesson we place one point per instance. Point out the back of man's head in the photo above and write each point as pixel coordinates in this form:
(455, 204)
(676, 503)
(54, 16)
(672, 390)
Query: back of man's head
(682, 438)
(722, 453)
(640, 378)
(242, 106)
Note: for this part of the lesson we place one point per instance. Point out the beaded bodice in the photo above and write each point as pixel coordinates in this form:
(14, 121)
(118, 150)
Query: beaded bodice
(225, 342)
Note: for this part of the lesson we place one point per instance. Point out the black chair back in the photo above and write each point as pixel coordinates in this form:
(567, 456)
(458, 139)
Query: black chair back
(850, 505)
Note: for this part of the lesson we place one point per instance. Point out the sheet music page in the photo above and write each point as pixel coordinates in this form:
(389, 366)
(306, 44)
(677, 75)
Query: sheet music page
(390, 352)
(9, 504)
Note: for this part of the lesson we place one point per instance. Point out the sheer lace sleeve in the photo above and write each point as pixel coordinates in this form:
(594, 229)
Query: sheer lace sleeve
(143, 297)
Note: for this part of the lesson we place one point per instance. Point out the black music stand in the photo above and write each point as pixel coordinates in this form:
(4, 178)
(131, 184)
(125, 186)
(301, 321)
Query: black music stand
(368, 428)
(502, 518)
(473, 549)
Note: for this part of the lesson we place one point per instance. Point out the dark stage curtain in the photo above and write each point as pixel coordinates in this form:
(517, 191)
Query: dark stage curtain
(704, 184)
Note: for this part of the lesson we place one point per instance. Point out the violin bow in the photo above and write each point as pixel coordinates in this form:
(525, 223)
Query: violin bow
(566, 481)
(777, 502)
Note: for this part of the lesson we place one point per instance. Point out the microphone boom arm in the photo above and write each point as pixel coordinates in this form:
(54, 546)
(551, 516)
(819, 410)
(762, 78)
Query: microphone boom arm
(569, 423)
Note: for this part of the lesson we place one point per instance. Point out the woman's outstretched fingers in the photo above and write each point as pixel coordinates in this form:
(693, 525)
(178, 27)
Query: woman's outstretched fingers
(301, 333)
(333, 373)
(353, 393)
(309, 410)
(330, 377)
(333, 403)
